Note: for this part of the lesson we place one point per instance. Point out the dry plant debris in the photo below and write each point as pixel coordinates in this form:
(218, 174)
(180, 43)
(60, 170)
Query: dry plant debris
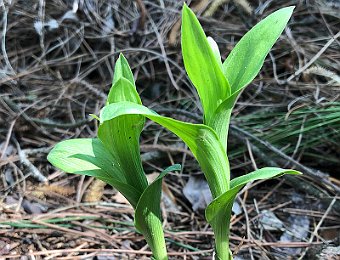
(56, 66)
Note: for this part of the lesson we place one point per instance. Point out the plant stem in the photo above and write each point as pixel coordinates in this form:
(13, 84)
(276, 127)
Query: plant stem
(222, 241)
(155, 239)
(159, 251)
(222, 232)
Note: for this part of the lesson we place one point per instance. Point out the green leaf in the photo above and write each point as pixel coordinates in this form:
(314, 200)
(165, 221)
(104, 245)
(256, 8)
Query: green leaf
(121, 135)
(218, 215)
(123, 90)
(148, 215)
(202, 65)
(261, 174)
(219, 204)
(220, 120)
(89, 157)
(218, 212)
(201, 139)
(243, 64)
(84, 155)
(246, 59)
(123, 70)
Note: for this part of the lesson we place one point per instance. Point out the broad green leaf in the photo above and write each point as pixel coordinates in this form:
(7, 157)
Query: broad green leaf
(148, 215)
(201, 64)
(201, 139)
(219, 204)
(121, 135)
(261, 174)
(89, 157)
(246, 59)
(218, 212)
(123, 70)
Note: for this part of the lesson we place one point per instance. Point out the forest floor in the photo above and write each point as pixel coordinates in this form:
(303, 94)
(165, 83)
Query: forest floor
(57, 60)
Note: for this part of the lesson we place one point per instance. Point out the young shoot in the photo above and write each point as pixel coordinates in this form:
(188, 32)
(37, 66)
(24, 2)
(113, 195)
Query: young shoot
(114, 157)
(218, 85)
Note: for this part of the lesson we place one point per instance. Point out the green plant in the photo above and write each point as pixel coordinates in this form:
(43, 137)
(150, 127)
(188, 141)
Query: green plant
(218, 85)
(114, 158)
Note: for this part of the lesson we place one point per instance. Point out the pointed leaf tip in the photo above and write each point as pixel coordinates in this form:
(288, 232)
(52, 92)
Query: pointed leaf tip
(185, 7)
(246, 59)
(122, 70)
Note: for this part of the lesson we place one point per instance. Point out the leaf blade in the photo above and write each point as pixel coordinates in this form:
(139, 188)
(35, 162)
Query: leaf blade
(201, 64)
(261, 174)
(236, 184)
(123, 70)
(246, 59)
(89, 157)
(219, 211)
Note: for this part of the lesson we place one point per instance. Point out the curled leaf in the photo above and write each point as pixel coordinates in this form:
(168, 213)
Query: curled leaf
(89, 157)
(148, 214)
(219, 205)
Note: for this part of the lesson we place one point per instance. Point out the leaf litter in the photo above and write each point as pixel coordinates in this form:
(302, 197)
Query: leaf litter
(51, 81)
